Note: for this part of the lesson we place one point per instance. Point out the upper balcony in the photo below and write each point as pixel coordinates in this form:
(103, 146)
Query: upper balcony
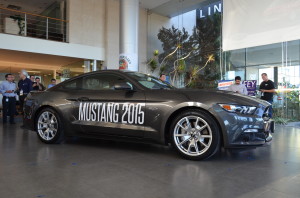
(26, 24)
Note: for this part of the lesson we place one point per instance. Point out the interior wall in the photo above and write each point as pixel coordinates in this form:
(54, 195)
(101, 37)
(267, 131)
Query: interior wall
(112, 34)
(86, 22)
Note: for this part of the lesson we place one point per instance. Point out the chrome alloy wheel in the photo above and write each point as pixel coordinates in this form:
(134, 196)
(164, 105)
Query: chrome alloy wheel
(47, 126)
(192, 135)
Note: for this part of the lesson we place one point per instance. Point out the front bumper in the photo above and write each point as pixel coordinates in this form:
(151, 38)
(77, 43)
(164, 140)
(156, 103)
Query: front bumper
(257, 137)
(240, 130)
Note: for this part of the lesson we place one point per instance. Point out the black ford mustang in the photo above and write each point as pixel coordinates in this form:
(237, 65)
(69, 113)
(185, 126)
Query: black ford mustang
(129, 105)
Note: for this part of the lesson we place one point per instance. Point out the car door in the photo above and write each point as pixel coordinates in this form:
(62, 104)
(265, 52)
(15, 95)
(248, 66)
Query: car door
(100, 109)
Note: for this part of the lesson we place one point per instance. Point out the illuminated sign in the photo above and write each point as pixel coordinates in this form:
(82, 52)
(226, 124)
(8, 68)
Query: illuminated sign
(209, 10)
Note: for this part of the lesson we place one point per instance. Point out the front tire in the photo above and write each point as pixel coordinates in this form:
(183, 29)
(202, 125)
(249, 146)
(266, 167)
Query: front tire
(195, 135)
(49, 127)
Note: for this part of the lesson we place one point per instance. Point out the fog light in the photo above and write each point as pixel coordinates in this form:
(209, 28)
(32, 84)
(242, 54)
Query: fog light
(251, 131)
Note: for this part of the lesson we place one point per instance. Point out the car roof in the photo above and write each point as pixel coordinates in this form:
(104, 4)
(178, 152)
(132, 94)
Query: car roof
(96, 72)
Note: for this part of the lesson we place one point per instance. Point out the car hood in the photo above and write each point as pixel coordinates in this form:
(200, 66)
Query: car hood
(218, 96)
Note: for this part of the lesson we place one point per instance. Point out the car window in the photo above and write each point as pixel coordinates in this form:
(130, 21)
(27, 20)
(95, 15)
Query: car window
(72, 85)
(150, 82)
(102, 82)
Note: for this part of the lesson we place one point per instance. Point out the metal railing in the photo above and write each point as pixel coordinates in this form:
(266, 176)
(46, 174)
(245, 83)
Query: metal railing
(32, 25)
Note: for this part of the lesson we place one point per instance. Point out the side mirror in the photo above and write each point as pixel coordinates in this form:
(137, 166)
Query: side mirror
(123, 86)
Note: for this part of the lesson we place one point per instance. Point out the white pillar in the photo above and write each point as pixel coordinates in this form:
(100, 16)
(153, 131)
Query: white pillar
(54, 74)
(95, 65)
(87, 65)
(129, 28)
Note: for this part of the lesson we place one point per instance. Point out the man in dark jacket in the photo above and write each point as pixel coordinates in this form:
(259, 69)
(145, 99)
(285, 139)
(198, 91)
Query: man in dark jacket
(24, 87)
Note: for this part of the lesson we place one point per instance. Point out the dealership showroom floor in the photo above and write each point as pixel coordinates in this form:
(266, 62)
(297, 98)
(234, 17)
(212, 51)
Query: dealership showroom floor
(97, 168)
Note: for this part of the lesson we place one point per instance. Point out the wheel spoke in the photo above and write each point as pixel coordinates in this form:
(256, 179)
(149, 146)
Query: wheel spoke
(181, 135)
(202, 128)
(44, 117)
(46, 134)
(190, 145)
(206, 136)
(53, 119)
(53, 130)
(196, 147)
(203, 144)
(188, 123)
(181, 143)
(178, 124)
(197, 121)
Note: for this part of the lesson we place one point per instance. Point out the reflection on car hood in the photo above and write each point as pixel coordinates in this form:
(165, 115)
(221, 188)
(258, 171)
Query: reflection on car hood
(219, 96)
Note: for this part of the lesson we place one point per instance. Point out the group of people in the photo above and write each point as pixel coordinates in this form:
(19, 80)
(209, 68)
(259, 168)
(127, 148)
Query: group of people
(10, 90)
(267, 89)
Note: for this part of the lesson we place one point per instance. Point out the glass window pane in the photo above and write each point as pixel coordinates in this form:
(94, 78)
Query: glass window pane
(101, 82)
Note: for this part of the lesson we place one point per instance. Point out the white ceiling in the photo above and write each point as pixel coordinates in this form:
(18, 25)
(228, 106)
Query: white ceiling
(151, 4)
(17, 59)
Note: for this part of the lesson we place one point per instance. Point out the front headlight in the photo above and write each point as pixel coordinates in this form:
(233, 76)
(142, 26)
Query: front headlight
(248, 110)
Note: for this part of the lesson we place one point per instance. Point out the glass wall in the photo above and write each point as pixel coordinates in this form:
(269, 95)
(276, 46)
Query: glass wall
(281, 62)
(188, 48)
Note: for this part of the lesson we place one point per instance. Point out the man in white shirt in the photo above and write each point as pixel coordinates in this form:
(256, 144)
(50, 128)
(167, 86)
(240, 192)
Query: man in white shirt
(238, 87)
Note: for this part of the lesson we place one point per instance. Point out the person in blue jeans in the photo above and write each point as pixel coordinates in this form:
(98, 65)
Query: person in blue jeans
(267, 89)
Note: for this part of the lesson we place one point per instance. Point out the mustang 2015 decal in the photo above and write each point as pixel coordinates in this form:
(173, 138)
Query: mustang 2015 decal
(126, 113)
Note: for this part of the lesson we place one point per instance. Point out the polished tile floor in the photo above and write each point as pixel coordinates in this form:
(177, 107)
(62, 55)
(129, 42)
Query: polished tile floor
(95, 168)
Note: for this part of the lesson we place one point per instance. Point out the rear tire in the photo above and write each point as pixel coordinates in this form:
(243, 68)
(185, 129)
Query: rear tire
(49, 127)
(195, 135)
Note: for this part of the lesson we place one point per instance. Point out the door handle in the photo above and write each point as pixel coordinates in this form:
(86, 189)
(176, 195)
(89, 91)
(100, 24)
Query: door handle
(83, 99)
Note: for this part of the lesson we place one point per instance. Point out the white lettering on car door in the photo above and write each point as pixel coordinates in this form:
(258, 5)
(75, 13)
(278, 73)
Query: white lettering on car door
(131, 113)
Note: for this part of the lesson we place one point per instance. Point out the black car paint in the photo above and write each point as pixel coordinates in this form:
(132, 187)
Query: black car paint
(161, 107)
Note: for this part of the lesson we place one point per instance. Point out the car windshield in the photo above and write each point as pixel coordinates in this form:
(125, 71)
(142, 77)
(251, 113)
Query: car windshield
(150, 82)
